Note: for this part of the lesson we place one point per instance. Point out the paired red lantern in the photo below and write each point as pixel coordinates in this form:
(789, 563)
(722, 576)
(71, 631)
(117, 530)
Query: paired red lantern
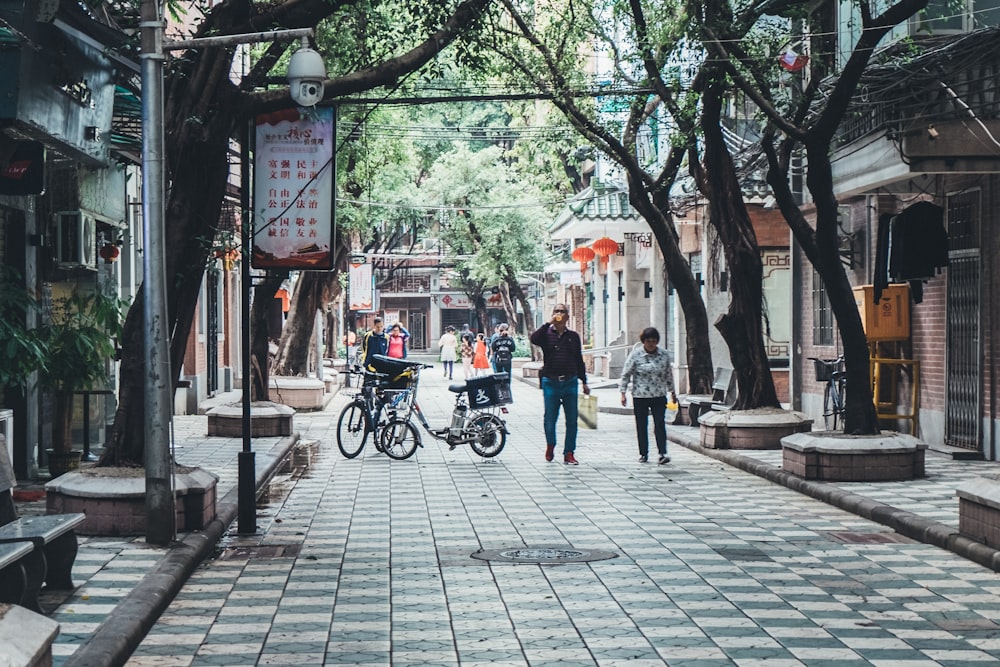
(109, 253)
(583, 254)
(604, 247)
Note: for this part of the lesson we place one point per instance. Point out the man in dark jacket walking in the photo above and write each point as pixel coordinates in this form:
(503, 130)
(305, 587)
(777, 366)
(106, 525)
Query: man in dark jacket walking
(562, 368)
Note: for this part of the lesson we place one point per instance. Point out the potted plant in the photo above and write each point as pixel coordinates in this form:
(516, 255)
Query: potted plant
(78, 339)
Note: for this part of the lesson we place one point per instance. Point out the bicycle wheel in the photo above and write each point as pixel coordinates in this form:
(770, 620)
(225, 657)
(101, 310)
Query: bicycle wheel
(352, 429)
(399, 439)
(840, 402)
(491, 435)
(829, 407)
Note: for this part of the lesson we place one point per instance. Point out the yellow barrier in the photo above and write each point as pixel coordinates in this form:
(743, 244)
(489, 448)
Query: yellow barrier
(887, 380)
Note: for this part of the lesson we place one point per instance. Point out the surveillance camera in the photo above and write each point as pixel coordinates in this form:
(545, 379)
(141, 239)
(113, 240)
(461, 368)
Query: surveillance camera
(306, 73)
(307, 93)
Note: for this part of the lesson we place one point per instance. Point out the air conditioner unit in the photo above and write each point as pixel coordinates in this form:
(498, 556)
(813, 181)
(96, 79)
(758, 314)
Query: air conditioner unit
(76, 240)
(430, 244)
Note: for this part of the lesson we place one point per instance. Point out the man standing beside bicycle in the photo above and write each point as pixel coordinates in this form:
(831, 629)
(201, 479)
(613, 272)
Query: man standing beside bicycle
(562, 368)
(375, 342)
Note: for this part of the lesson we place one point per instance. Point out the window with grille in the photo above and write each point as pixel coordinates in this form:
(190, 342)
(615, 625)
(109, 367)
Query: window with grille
(822, 313)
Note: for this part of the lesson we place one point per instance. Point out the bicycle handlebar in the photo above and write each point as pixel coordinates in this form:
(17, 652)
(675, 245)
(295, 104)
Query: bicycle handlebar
(828, 362)
(358, 370)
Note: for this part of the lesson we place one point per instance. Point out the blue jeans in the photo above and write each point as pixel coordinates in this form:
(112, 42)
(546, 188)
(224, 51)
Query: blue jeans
(556, 393)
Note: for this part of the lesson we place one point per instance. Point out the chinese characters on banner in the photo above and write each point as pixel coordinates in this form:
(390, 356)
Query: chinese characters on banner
(360, 286)
(293, 190)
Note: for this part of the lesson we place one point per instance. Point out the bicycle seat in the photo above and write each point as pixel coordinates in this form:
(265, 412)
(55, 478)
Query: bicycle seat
(457, 387)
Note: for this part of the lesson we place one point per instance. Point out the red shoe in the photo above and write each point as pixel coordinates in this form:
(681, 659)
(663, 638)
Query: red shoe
(550, 452)
(570, 460)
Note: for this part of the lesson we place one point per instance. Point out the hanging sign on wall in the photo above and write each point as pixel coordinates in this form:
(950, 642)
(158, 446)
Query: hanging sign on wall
(293, 190)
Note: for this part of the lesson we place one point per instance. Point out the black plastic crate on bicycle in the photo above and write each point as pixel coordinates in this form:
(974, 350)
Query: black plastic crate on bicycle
(489, 390)
(398, 371)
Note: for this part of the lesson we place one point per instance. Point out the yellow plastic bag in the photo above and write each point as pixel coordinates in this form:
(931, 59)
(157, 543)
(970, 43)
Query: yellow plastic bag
(670, 414)
(586, 410)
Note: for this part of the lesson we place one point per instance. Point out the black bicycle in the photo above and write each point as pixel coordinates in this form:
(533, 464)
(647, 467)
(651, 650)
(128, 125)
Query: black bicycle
(384, 393)
(831, 371)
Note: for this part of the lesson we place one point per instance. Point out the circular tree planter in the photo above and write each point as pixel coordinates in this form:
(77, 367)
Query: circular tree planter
(831, 456)
(761, 428)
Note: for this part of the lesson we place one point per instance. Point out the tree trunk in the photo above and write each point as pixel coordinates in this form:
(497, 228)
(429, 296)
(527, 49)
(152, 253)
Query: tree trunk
(741, 327)
(860, 417)
(309, 297)
(201, 112)
(62, 421)
(700, 371)
(482, 315)
(260, 337)
(508, 305)
(528, 319)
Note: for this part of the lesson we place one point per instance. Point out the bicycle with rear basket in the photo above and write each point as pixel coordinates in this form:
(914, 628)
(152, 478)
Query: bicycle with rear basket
(831, 371)
(475, 418)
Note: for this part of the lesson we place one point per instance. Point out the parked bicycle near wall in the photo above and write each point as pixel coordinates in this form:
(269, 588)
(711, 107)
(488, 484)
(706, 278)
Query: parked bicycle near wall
(831, 371)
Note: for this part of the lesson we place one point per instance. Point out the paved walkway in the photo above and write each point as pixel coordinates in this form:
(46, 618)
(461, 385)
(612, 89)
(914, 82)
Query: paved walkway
(369, 561)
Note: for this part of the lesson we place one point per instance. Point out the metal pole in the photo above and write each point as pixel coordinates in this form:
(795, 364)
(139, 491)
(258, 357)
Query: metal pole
(160, 516)
(246, 484)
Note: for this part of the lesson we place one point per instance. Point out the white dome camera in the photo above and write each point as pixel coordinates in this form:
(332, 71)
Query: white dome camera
(306, 73)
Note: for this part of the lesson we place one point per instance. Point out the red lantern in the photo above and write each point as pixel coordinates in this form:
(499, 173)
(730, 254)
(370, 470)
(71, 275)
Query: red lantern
(605, 247)
(109, 253)
(583, 254)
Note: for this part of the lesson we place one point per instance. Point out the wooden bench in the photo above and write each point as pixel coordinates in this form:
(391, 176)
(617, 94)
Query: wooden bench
(51, 541)
(723, 396)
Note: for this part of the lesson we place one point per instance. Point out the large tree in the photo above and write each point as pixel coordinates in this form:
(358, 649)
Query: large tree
(546, 48)
(381, 43)
(809, 120)
(499, 224)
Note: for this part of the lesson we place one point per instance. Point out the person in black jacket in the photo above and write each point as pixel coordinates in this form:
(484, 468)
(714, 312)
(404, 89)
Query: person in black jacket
(502, 351)
(562, 369)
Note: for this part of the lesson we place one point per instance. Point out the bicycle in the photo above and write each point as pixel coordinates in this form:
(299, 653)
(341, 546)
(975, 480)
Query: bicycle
(372, 408)
(474, 419)
(831, 371)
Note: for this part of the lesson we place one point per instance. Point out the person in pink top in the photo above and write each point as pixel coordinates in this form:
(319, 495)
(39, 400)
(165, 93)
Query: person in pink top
(397, 341)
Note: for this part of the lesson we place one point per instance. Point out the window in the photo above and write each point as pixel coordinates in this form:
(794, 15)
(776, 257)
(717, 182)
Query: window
(822, 313)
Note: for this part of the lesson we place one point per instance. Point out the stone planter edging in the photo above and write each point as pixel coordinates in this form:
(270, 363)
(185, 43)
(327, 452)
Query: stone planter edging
(835, 457)
(905, 523)
(267, 419)
(750, 429)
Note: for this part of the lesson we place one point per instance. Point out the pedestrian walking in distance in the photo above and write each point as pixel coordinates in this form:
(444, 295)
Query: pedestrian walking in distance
(562, 369)
(449, 354)
(502, 351)
(648, 370)
(480, 362)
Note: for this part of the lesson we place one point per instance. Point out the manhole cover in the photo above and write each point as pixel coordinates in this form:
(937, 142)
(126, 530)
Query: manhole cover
(543, 555)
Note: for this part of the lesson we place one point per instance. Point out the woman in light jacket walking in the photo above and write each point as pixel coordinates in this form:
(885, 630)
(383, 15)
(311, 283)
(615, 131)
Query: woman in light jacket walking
(649, 371)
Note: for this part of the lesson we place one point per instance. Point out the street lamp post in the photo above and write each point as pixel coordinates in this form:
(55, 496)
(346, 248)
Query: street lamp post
(160, 521)
(158, 384)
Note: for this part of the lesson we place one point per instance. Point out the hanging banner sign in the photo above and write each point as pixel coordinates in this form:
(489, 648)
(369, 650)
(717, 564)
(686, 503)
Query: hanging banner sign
(360, 287)
(293, 190)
